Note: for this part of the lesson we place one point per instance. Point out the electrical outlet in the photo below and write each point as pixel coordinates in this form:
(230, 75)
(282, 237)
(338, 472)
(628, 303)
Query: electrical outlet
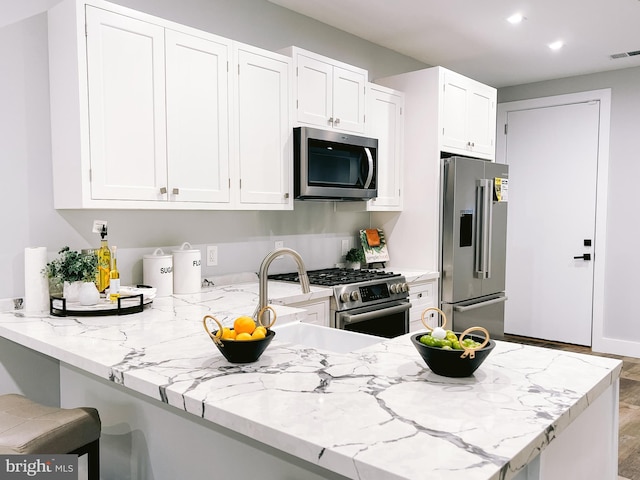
(212, 255)
(345, 246)
(278, 244)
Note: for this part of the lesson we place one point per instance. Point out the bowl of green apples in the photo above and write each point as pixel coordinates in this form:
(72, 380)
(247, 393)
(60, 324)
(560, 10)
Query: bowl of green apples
(449, 353)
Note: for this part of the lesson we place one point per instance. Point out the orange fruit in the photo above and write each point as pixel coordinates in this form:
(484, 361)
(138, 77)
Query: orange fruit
(258, 334)
(228, 334)
(243, 336)
(244, 324)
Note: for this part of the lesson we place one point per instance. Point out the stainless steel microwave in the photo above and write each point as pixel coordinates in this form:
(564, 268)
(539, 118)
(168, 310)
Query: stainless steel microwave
(334, 166)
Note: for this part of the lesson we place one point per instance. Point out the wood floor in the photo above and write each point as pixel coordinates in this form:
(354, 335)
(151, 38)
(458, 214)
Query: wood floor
(629, 431)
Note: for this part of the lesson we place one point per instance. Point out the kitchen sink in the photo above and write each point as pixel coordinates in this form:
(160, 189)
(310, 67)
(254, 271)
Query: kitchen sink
(323, 338)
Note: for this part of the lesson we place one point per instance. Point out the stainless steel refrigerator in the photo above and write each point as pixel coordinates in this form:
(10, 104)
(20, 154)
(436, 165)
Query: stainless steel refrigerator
(474, 199)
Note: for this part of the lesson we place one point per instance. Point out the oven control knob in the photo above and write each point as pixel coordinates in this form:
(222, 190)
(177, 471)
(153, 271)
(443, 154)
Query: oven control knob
(405, 288)
(355, 296)
(394, 288)
(344, 296)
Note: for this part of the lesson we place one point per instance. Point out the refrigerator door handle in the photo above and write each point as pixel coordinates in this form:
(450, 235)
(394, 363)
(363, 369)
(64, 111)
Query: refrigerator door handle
(484, 218)
(488, 225)
(466, 308)
(478, 254)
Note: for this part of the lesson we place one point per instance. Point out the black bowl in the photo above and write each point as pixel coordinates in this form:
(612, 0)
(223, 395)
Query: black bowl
(449, 363)
(244, 351)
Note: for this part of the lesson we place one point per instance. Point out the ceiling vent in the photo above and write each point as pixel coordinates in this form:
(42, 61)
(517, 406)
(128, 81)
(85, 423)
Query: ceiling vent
(625, 54)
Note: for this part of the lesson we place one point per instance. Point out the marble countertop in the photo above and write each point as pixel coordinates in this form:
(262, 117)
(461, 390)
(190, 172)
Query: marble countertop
(374, 413)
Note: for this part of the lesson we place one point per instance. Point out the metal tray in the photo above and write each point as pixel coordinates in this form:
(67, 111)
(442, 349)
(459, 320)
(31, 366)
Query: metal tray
(59, 307)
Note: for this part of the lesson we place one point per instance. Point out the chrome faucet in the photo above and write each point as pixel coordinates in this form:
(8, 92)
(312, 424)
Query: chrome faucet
(303, 278)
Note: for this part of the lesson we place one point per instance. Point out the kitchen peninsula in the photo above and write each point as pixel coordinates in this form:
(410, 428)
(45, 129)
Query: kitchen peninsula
(173, 407)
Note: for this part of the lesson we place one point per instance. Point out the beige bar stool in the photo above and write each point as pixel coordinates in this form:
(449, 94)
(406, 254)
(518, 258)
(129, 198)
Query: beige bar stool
(27, 427)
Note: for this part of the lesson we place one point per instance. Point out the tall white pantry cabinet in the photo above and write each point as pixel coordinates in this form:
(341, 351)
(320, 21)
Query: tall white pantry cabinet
(147, 113)
(444, 112)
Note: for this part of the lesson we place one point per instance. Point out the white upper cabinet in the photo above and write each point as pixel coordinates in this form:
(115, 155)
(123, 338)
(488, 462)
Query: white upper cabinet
(143, 116)
(385, 121)
(468, 115)
(263, 130)
(328, 93)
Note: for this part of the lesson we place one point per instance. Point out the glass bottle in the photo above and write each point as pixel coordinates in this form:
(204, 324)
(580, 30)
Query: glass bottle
(104, 261)
(114, 277)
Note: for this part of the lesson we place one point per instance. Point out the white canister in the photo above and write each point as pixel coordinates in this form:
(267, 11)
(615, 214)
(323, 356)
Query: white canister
(157, 271)
(186, 269)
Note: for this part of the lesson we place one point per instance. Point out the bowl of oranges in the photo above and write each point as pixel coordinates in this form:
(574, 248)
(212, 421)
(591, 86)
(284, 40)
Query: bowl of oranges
(246, 341)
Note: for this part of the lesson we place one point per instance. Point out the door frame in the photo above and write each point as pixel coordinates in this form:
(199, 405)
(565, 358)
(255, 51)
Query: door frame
(598, 341)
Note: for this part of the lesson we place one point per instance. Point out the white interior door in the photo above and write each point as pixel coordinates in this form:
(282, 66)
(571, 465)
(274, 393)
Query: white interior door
(552, 154)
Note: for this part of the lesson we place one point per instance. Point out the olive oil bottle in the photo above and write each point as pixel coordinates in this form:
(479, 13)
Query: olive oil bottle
(114, 277)
(104, 261)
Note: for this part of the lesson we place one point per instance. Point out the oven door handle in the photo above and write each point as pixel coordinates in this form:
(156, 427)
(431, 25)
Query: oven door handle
(361, 317)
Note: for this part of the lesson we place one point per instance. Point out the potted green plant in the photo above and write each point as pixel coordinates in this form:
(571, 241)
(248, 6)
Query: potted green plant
(70, 270)
(355, 257)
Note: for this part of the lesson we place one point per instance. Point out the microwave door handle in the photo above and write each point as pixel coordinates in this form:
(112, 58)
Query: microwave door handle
(367, 152)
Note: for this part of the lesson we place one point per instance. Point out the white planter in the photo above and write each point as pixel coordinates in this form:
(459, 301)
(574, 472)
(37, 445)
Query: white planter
(354, 265)
(88, 294)
(84, 292)
(71, 291)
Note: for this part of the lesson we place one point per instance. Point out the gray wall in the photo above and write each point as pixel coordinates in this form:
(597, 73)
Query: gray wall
(623, 228)
(27, 217)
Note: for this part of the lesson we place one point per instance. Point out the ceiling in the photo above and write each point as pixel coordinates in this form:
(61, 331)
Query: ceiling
(473, 38)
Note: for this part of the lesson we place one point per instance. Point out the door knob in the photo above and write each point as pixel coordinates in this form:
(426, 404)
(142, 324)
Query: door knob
(584, 256)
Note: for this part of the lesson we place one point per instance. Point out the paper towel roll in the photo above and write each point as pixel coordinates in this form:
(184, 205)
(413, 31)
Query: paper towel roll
(36, 285)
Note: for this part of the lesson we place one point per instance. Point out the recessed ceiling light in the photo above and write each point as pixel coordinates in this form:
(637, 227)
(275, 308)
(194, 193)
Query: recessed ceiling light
(556, 45)
(515, 18)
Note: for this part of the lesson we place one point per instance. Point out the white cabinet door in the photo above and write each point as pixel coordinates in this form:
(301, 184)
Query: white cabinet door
(348, 100)
(454, 113)
(481, 118)
(125, 61)
(263, 128)
(468, 116)
(385, 122)
(315, 91)
(422, 296)
(197, 118)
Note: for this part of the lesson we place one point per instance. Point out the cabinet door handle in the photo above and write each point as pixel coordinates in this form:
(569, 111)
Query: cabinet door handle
(331, 120)
(163, 190)
(176, 191)
(337, 121)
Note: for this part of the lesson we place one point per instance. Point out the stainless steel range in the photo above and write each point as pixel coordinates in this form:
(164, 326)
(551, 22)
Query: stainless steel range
(366, 301)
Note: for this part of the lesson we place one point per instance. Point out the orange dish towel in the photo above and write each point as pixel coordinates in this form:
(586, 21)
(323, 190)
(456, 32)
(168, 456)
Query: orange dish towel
(373, 237)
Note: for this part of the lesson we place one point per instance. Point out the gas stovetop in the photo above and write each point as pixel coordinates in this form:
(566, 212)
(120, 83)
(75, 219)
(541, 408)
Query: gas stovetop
(330, 277)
